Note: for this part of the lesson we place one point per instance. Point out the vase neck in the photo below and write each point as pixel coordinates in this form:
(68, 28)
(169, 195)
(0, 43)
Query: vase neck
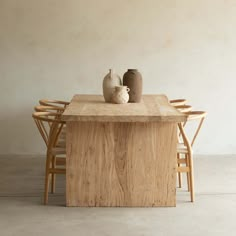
(132, 69)
(111, 73)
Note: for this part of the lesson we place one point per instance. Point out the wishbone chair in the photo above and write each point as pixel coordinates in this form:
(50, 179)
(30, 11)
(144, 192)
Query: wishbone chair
(185, 149)
(181, 108)
(55, 155)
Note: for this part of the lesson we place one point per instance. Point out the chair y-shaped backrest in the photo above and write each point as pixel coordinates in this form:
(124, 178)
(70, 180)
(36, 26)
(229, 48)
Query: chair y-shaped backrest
(49, 125)
(197, 116)
(183, 109)
(44, 127)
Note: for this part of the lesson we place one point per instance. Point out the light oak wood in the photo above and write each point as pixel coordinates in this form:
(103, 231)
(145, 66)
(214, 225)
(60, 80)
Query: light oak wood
(43, 108)
(181, 108)
(185, 151)
(152, 108)
(121, 154)
(51, 102)
(121, 164)
(56, 157)
(178, 102)
(50, 125)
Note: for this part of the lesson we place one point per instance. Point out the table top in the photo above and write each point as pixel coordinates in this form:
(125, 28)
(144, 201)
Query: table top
(92, 108)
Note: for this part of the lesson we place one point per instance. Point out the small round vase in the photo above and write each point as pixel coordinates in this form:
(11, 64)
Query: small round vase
(120, 95)
(133, 80)
(110, 81)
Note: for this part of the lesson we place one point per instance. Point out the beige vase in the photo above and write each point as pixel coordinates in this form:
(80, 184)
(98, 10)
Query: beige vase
(111, 80)
(120, 95)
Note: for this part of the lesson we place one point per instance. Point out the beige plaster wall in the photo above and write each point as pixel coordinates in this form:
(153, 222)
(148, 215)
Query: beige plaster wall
(56, 48)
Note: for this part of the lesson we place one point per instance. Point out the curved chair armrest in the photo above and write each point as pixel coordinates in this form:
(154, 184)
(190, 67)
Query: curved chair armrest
(43, 108)
(178, 102)
(51, 102)
(184, 108)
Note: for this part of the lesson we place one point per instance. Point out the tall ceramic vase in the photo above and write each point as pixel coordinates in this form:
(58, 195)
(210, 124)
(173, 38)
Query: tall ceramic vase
(133, 80)
(111, 80)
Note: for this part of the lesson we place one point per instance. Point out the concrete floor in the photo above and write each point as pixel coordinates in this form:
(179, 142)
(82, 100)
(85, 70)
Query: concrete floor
(22, 212)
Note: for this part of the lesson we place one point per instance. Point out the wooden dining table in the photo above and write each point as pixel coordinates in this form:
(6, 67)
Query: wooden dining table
(121, 155)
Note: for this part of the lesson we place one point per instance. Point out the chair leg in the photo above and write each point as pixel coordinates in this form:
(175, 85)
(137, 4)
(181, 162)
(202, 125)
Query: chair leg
(53, 180)
(191, 179)
(179, 173)
(188, 173)
(180, 179)
(188, 181)
(46, 187)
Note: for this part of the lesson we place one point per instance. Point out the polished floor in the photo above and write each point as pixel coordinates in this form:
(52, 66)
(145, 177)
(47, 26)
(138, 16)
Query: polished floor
(22, 212)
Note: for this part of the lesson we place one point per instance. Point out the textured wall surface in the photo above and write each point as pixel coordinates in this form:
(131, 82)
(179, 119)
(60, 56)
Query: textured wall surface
(56, 48)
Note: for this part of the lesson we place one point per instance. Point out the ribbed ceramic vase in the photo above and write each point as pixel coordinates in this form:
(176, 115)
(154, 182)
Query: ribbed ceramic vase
(133, 80)
(111, 80)
(120, 95)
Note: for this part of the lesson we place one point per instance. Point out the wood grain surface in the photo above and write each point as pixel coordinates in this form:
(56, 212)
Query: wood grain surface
(152, 108)
(121, 164)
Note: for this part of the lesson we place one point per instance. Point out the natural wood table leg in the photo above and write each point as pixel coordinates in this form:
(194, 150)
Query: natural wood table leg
(121, 164)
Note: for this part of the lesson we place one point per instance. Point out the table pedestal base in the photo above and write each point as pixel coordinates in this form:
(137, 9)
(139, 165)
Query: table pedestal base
(121, 164)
